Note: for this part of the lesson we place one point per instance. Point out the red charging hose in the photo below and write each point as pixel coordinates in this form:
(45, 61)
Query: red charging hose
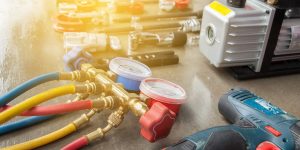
(55, 109)
(77, 144)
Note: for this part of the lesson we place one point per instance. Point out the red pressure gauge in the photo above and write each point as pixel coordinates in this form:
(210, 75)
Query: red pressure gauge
(158, 90)
(164, 99)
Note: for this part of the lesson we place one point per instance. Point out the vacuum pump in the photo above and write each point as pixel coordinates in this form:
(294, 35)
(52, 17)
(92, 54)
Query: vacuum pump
(255, 38)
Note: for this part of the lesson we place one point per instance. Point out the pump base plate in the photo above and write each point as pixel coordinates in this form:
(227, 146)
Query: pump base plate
(275, 69)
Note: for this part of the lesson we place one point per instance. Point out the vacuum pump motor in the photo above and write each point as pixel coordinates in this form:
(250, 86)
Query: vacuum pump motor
(232, 36)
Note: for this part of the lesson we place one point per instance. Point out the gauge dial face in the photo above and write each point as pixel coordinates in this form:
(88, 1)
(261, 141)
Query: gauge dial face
(132, 67)
(129, 68)
(163, 90)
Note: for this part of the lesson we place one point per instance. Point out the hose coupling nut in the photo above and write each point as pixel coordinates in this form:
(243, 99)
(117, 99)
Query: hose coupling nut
(89, 88)
(80, 76)
(96, 134)
(81, 120)
(105, 102)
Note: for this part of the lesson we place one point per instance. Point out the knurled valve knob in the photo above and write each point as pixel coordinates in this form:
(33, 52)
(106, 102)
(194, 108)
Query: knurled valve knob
(157, 122)
(115, 119)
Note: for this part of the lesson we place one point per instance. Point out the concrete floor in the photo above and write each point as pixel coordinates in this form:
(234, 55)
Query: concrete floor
(29, 47)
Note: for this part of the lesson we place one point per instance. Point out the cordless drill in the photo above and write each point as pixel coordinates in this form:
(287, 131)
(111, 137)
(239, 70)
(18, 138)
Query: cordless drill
(257, 124)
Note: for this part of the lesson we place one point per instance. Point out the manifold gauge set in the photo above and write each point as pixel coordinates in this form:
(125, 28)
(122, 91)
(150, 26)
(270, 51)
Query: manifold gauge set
(126, 87)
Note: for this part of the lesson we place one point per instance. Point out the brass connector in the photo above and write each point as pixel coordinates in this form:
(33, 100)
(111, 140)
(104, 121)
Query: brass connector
(137, 107)
(111, 75)
(79, 96)
(82, 96)
(109, 102)
(89, 88)
(143, 98)
(103, 78)
(95, 135)
(99, 133)
(114, 120)
(91, 70)
(77, 75)
(104, 81)
(84, 118)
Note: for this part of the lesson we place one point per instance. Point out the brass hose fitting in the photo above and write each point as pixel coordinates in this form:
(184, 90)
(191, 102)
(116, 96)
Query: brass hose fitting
(143, 98)
(91, 70)
(137, 107)
(95, 134)
(89, 88)
(79, 96)
(77, 75)
(114, 120)
(104, 81)
(109, 102)
(83, 119)
(111, 75)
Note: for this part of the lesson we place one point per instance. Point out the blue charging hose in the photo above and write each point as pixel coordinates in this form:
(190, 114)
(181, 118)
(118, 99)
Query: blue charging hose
(23, 123)
(12, 94)
(22, 88)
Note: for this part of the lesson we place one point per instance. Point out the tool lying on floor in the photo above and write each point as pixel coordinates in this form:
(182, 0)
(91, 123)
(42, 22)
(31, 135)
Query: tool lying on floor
(83, 6)
(92, 21)
(92, 42)
(135, 39)
(77, 56)
(151, 59)
(257, 125)
(254, 38)
(116, 90)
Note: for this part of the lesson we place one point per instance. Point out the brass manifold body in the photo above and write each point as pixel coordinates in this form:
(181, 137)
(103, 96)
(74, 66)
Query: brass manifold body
(107, 84)
(119, 100)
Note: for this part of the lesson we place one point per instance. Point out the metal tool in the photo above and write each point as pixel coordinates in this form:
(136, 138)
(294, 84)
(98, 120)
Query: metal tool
(77, 56)
(145, 38)
(92, 42)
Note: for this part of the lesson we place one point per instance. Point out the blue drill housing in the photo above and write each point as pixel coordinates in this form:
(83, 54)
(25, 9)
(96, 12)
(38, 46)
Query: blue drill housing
(251, 117)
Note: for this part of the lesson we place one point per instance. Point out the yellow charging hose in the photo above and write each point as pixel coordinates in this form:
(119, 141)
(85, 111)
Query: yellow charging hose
(58, 134)
(35, 100)
(70, 128)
